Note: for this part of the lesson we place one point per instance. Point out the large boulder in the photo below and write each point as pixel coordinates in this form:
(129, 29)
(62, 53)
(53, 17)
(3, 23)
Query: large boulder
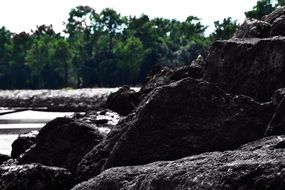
(23, 143)
(252, 28)
(258, 165)
(177, 120)
(64, 141)
(124, 101)
(34, 177)
(253, 67)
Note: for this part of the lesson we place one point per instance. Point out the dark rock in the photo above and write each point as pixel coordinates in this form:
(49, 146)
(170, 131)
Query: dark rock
(23, 143)
(159, 76)
(270, 18)
(253, 67)
(64, 141)
(93, 162)
(124, 101)
(278, 96)
(3, 158)
(164, 75)
(34, 177)
(278, 27)
(185, 118)
(252, 28)
(257, 166)
(277, 123)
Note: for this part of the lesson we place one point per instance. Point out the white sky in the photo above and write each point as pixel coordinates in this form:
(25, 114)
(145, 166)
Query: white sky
(24, 15)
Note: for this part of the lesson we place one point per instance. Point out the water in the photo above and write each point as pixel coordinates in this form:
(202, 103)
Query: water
(13, 124)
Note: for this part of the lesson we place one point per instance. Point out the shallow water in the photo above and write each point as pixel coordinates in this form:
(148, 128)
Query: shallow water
(21, 122)
(6, 142)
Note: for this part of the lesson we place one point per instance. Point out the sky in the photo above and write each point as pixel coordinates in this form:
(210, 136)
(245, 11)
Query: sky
(24, 15)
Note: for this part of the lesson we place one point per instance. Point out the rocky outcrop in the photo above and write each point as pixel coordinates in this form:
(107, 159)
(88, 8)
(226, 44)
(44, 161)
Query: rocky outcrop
(252, 28)
(185, 118)
(124, 101)
(34, 177)
(257, 165)
(253, 67)
(23, 143)
(180, 119)
(64, 141)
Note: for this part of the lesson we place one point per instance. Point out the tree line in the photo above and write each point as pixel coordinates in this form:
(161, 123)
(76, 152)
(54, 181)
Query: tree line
(104, 49)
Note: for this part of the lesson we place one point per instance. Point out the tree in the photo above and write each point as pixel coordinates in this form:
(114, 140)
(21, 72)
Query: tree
(47, 60)
(83, 28)
(112, 23)
(132, 54)
(263, 7)
(5, 52)
(18, 71)
(224, 30)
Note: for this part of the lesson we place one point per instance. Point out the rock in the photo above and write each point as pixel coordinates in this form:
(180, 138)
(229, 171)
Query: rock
(185, 118)
(34, 177)
(278, 96)
(257, 165)
(64, 141)
(270, 18)
(3, 158)
(278, 27)
(159, 76)
(124, 101)
(253, 67)
(164, 75)
(252, 28)
(277, 123)
(23, 143)
(94, 161)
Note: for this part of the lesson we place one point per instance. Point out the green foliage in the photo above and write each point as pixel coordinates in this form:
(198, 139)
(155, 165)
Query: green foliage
(224, 30)
(264, 7)
(99, 49)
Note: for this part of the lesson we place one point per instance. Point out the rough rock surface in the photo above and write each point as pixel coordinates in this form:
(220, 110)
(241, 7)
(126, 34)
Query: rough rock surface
(64, 141)
(23, 143)
(3, 158)
(277, 123)
(124, 101)
(258, 165)
(94, 161)
(161, 130)
(34, 177)
(278, 27)
(252, 28)
(270, 18)
(253, 67)
(163, 75)
(278, 96)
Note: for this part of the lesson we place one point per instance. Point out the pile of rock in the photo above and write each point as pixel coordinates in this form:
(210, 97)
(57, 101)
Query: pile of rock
(218, 123)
